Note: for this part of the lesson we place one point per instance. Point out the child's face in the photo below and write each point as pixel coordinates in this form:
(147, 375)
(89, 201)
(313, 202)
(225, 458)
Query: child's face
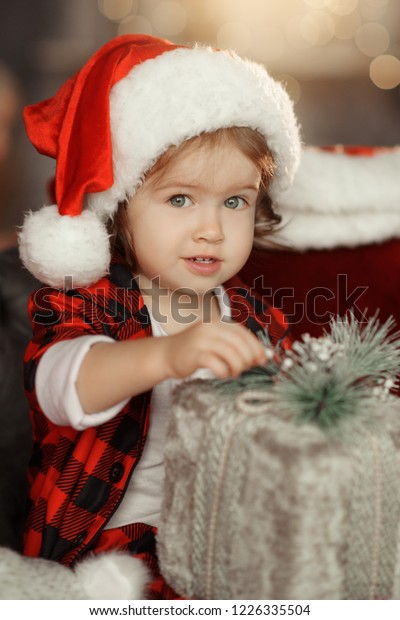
(193, 226)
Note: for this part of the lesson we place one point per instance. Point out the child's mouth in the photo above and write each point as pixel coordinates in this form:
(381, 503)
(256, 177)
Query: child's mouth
(205, 265)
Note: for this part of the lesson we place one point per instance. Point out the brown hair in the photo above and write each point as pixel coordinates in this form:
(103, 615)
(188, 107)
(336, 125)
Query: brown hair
(250, 142)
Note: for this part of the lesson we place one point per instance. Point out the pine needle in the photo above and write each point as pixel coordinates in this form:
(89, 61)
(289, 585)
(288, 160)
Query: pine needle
(331, 379)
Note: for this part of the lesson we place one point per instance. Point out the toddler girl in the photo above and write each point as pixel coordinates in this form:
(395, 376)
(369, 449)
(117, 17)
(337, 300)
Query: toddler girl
(168, 159)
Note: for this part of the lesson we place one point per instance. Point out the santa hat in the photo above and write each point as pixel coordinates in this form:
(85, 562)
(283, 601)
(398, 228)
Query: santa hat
(342, 196)
(107, 126)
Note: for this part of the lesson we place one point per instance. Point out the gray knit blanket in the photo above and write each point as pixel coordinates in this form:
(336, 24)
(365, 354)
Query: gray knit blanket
(258, 507)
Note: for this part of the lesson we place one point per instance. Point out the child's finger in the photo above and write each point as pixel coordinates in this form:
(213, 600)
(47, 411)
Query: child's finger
(240, 354)
(217, 366)
(228, 354)
(246, 344)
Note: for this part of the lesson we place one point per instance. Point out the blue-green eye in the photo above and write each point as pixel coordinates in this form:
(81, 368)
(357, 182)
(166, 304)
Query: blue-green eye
(235, 202)
(180, 200)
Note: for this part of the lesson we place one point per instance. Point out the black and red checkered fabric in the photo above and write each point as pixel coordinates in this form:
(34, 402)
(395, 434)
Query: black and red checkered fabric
(78, 478)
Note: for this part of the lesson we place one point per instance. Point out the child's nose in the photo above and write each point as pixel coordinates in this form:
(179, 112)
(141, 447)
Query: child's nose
(209, 226)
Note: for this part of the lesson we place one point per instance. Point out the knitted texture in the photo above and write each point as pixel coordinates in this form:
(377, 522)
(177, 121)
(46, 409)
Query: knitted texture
(254, 504)
(372, 541)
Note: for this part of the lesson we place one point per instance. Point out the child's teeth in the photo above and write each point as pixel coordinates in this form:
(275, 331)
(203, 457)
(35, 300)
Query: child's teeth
(204, 260)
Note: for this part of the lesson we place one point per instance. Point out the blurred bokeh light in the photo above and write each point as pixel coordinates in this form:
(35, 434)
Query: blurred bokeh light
(169, 18)
(338, 59)
(117, 9)
(307, 37)
(373, 39)
(385, 71)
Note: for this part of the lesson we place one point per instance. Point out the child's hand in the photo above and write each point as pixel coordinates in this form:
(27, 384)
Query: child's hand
(227, 349)
(113, 372)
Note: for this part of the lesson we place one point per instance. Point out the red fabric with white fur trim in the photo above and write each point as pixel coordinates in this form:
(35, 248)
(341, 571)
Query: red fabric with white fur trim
(58, 127)
(320, 275)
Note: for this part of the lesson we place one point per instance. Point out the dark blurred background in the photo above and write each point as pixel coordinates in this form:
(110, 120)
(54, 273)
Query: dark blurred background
(338, 58)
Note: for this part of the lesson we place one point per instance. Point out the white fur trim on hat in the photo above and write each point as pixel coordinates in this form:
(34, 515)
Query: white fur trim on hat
(64, 251)
(113, 576)
(339, 199)
(193, 91)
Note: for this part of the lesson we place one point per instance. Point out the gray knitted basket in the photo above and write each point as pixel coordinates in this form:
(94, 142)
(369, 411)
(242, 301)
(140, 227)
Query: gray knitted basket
(257, 507)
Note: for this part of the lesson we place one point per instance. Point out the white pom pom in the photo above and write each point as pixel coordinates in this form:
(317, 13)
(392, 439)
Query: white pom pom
(112, 576)
(63, 251)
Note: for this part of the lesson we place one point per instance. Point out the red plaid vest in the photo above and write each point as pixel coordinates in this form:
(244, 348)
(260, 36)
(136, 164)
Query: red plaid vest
(78, 478)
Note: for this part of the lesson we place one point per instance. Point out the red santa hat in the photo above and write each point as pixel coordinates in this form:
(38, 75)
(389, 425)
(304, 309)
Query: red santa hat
(109, 123)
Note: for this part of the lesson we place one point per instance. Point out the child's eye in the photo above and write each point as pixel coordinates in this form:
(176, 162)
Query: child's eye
(180, 200)
(235, 202)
